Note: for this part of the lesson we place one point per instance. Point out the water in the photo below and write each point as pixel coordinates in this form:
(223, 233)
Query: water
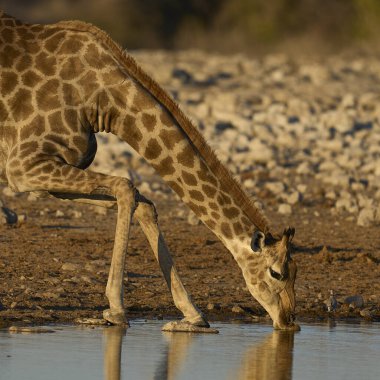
(240, 351)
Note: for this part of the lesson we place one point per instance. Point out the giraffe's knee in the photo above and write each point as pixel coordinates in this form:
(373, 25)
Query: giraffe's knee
(146, 211)
(125, 192)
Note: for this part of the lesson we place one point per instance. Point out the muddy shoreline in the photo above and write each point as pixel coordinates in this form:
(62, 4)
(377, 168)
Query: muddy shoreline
(54, 268)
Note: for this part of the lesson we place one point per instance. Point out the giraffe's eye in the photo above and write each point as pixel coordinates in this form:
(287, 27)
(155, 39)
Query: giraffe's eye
(276, 275)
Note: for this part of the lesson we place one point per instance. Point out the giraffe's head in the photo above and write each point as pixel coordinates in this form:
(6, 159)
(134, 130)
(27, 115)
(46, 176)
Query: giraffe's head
(273, 284)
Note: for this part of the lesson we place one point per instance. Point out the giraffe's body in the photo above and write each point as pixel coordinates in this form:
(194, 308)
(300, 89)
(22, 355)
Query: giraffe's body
(62, 83)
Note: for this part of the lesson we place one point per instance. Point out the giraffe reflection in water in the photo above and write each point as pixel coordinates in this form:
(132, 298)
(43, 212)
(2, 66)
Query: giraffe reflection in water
(269, 359)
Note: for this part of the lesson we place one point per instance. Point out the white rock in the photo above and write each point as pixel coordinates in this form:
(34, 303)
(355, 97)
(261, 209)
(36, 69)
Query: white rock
(275, 187)
(293, 198)
(285, 209)
(59, 214)
(366, 217)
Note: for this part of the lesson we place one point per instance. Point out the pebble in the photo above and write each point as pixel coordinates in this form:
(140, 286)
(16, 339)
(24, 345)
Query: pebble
(71, 267)
(366, 217)
(237, 309)
(285, 209)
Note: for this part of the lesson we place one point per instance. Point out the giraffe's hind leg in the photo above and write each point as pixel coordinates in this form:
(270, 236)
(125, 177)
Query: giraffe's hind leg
(193, 318)
(71, 182)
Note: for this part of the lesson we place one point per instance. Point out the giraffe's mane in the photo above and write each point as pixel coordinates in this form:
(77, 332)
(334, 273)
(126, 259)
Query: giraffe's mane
(228, 182)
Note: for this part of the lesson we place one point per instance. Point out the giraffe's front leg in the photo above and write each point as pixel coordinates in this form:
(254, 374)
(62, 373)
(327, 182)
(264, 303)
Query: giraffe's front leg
(194, 320)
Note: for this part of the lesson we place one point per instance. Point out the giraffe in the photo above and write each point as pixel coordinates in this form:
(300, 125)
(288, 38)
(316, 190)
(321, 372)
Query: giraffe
(62, 83)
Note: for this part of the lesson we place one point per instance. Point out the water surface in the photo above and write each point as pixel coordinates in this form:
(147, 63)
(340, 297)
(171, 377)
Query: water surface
(239, 351)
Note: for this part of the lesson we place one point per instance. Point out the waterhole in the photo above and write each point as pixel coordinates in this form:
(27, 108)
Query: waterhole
(239, 351)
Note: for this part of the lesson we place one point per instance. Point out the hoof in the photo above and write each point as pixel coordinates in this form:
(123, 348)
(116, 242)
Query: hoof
(289, 327)
(180, 326)
(115, 318)
(198, 321)
(91, 321)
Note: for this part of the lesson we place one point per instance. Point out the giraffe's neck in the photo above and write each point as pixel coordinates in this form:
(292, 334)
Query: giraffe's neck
(152, 131)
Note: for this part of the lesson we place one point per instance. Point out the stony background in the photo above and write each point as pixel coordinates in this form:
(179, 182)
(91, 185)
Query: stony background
(302, 136)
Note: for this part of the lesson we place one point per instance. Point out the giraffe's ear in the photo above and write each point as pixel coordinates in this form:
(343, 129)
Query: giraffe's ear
(258, 241)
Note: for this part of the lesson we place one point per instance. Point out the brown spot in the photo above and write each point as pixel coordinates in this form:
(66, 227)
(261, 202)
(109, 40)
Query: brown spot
(130, 133)
(81, 143)
(153, 150)
(9, 57)
(166, 119)
(89, 83)
(238, 228)
(223, 199)
(21, 104)
(72, 67)
(56, 123)
(261, 275)
(213, 206)
(46, 63)
(118, 97)
(70, 46)
(52, 43)
(210, 191)
(261, 287)
(30, 78)
(8, 81)
(197, 195)
(198, 210)
(112, 77)
(215, 215)
(177, 188)
(253, 269)
(170, 137)
(47, 96)
(49, 148)
(71, 117)
(231, 212)
(98, 58)
(71, 95)
(3, 112)
(35, 128)
(210, 223)
(186, 157)
(8, 35)
(24, 63)
(28, 148)
(205, 174)
(226, 230)
(165, 167)
(149, 121)
(189, 178)
(246, 221)
(143, 100)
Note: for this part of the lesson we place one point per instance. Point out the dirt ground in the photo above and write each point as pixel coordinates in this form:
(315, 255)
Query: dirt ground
(54, 267)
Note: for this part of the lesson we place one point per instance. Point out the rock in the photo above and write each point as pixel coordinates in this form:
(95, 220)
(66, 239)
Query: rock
(355, 301)
(76, 214)
(366, 313)
(192, 219)
(293, 198)
(366, 217)
(71, 267)
(237, 309)
(285, 209)
(275, 187)
(59, 214)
